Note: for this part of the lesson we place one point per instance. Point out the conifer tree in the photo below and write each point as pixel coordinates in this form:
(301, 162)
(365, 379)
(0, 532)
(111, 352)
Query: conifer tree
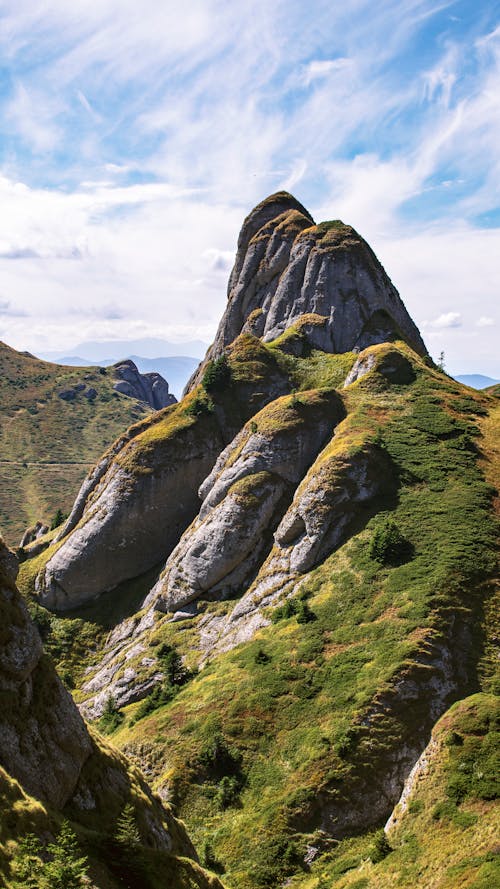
(27, 865)
(67, 868)
(127, 833)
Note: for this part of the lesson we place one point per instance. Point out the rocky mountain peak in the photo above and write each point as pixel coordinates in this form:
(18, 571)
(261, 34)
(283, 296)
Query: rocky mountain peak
(287, 267)
(150, 388)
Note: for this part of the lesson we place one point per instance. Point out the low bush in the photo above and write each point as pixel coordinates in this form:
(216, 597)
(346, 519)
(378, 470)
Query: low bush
(217, 375)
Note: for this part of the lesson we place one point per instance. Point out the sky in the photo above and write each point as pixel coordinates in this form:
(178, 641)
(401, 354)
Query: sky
(135, 137)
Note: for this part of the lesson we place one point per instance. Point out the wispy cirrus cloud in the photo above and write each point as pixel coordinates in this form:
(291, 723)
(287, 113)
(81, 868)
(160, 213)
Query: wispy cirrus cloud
(135, 139)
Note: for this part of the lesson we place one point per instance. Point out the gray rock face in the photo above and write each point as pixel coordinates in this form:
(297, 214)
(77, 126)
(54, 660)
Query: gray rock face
(287, 267)
(43, 739)
(318, 285)
(244, 497)
(150, 388)
(124, 521)
(45, 744)
(33, 533)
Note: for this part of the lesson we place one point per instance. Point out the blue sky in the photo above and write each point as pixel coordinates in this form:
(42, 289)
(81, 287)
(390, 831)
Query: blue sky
(134, 138)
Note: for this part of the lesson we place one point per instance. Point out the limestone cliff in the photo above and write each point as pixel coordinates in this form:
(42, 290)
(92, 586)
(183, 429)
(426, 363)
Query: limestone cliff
(287, 267)
(46, 747)
(149, 387)
(296, 286)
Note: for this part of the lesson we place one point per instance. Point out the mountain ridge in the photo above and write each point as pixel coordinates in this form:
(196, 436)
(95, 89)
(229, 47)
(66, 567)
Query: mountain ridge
(290, 575)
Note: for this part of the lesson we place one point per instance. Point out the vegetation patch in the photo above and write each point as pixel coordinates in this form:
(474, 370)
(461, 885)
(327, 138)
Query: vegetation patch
(300, 729)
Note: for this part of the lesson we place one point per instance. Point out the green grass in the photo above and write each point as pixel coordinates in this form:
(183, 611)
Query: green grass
(294, 701)
(437, 841)
(47, 445)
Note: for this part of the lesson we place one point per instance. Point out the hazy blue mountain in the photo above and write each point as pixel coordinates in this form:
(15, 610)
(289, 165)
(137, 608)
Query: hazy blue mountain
(477, 381)
(114, 350)
(175, 370)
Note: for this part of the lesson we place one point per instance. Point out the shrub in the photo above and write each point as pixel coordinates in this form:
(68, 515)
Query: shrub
(380, 848)
(217, 375)
(199, 407)
(304, 614)
(291, 607)
(262, 657)
(58, 519)
(228, 792)
(285, 611)
(111, 718)
(160, 695)
(217, 759)
(389, 546)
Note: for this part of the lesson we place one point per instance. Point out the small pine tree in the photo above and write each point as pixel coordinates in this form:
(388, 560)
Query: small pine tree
(67, 868)
(127, 833)
(58, 519)
(27, 864)
(389, 546)
(112, 716)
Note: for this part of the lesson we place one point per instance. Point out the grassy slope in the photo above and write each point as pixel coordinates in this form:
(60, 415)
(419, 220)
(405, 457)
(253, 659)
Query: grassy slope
(295, 716)
(22, 814)
(448, 835)
(290, 715)
(47, 444)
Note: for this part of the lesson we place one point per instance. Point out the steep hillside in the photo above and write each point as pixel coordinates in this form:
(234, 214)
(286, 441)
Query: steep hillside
(54, 423)
(444, 832)
(270, 592)
(52, 768)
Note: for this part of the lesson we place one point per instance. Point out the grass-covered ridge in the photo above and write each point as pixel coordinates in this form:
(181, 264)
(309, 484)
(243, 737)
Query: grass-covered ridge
(445, 835)
(47, 444)
(312, 711)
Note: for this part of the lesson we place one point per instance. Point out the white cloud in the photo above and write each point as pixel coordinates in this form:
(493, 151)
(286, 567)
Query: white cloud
(33, 113)
(485, 321)
(320, 68)
(448, 319)
(210, 105)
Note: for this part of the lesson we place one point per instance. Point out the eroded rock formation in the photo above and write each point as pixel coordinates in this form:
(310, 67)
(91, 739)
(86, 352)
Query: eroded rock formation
(47, 748)
(287, 267)
(297, 285)
(149, 387)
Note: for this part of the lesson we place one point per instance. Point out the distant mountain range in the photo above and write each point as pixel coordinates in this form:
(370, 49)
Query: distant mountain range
(477, 381)
(149, 347)
(176, 363)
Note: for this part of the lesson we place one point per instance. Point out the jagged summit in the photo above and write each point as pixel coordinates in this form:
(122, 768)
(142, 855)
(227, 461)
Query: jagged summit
(286, 267)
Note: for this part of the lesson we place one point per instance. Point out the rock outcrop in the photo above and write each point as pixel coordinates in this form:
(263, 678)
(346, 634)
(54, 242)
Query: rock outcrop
(134, 505)
(287, 267)
(31, 534)
(43, 739)
(128, 520)
(297, 285)
(244, 498)
(150, 387)
(46, 747)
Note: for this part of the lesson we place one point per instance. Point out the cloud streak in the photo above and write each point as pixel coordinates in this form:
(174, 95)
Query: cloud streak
(136, 139)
